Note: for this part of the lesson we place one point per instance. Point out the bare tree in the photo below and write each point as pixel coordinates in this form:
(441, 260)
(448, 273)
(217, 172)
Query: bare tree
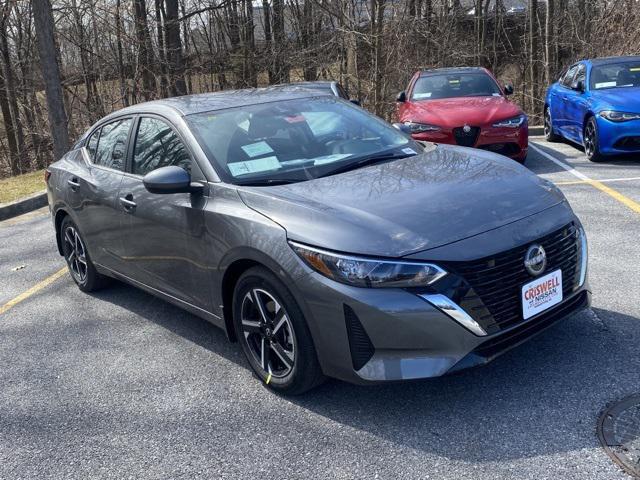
(51, 74)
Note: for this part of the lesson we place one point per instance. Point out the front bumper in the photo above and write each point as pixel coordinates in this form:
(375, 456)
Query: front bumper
(510, 142)
(618, 137)
(375, 335)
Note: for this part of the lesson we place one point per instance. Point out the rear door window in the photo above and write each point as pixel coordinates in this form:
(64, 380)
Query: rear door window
(112, 145)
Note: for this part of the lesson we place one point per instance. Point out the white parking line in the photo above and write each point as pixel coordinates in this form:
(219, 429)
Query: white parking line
(633, 205)
(563, 165)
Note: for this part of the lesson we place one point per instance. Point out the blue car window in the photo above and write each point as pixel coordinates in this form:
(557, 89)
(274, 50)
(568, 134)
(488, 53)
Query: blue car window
(615, 75)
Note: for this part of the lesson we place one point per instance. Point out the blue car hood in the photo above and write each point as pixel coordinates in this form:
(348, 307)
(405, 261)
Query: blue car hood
(406, 206)
(623, 99)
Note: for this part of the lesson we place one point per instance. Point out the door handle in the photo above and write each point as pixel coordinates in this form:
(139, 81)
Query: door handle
(127, 203)
(73, 183)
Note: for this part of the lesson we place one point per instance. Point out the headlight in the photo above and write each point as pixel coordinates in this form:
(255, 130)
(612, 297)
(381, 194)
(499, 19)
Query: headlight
(421, 127)
(619, 116)
(368, 272)
(514, 122)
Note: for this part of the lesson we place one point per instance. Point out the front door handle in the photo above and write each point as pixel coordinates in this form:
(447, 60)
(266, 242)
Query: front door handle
(127, 203)
(73, 183)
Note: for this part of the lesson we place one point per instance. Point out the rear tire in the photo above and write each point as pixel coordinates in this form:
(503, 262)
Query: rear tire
(549, 135)
(591, 141)
(81, 268)
(273, 333)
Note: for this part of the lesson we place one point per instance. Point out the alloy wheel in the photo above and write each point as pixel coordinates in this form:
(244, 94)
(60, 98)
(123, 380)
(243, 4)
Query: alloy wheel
(268, 332)
(547, 123)
(590, 139)
(75, 254)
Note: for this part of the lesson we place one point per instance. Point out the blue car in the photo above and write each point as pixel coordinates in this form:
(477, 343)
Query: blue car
(596, 103)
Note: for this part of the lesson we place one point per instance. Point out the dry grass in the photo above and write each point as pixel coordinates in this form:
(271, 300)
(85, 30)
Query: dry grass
(21, 186)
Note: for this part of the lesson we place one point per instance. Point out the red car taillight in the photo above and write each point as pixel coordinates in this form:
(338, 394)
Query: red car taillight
(47, 175)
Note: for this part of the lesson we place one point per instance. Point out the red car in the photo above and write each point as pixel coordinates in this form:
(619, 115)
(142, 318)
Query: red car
(464, 106)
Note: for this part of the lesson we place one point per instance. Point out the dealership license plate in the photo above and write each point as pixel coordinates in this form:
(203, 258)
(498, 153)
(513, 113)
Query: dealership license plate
(541, 294)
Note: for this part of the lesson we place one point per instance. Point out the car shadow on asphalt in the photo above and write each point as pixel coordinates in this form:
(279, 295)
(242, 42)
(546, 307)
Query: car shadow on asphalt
(541, 398)
(621, 160)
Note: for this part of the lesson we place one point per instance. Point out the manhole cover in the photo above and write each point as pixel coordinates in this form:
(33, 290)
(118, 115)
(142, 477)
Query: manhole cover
(619, 433)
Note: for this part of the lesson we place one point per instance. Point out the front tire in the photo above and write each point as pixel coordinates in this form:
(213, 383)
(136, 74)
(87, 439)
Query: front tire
(81, 268)
(273, 333)
(549, 135)
(591, 141)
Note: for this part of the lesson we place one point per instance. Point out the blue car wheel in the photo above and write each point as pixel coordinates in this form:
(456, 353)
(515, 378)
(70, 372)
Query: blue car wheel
(591, 141)
(549, 134)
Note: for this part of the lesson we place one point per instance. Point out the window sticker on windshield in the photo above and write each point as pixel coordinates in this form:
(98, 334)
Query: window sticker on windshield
(295, 119)
(253, 166)
(257, 149)
(418, 96)
(606, 84)
(409, 151)
(330, 158)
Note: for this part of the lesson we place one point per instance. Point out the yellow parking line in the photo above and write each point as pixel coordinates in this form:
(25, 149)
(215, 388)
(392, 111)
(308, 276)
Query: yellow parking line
(633, 205)
(606, 180)
(36, 288)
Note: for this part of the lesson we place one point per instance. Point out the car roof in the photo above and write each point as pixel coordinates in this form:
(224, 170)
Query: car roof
(453, 70)
(607, 60)
(207, 102)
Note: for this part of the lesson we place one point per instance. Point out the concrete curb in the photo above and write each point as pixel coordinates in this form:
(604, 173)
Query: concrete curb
(23, 205)
(536, 130)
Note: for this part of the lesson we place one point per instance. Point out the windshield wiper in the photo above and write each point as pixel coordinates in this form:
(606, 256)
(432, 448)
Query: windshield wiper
(369, 160)
(261, 182)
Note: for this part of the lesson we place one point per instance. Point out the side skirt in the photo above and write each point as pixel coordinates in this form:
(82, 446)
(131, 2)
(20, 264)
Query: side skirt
(200, 312)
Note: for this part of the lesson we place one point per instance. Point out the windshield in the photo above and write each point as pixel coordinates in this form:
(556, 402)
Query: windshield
(615, 75)
(294, 140)
(434, 86)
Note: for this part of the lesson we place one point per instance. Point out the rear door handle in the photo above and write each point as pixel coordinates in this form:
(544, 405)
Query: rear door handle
(73, 183)
(127, 203)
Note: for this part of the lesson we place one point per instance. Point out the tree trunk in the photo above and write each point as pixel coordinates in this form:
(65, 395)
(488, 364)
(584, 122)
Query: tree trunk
(144, 49)
(279, 43)
(177, 85)
(48, 52)
(15, 127)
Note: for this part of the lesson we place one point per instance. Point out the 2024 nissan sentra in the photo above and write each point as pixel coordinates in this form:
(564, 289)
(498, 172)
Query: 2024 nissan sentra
(325, 241)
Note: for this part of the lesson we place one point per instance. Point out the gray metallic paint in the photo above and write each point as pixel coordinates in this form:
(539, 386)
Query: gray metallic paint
(448, 203)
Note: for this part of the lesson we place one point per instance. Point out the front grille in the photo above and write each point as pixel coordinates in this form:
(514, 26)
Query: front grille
(466, 139)
(506, 149)
(497, 281)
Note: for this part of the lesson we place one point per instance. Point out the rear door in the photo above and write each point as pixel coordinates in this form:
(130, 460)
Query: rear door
(93, 194)
(166, 243)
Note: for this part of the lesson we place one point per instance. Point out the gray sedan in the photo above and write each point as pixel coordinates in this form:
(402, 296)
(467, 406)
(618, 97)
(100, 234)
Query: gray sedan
(323, 240)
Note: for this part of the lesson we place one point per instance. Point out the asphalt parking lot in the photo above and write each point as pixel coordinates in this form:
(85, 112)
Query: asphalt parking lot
(119, 384)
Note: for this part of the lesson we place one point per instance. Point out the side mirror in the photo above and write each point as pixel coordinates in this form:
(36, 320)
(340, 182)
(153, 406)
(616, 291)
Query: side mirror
(402, 97)
(171, 179)
(355, 102)
(578, 86)
(403, 128)
(508, 89)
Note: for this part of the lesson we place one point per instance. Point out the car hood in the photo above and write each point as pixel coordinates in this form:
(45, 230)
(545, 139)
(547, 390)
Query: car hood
(455, 112)
(623, 99)
(406, 206)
